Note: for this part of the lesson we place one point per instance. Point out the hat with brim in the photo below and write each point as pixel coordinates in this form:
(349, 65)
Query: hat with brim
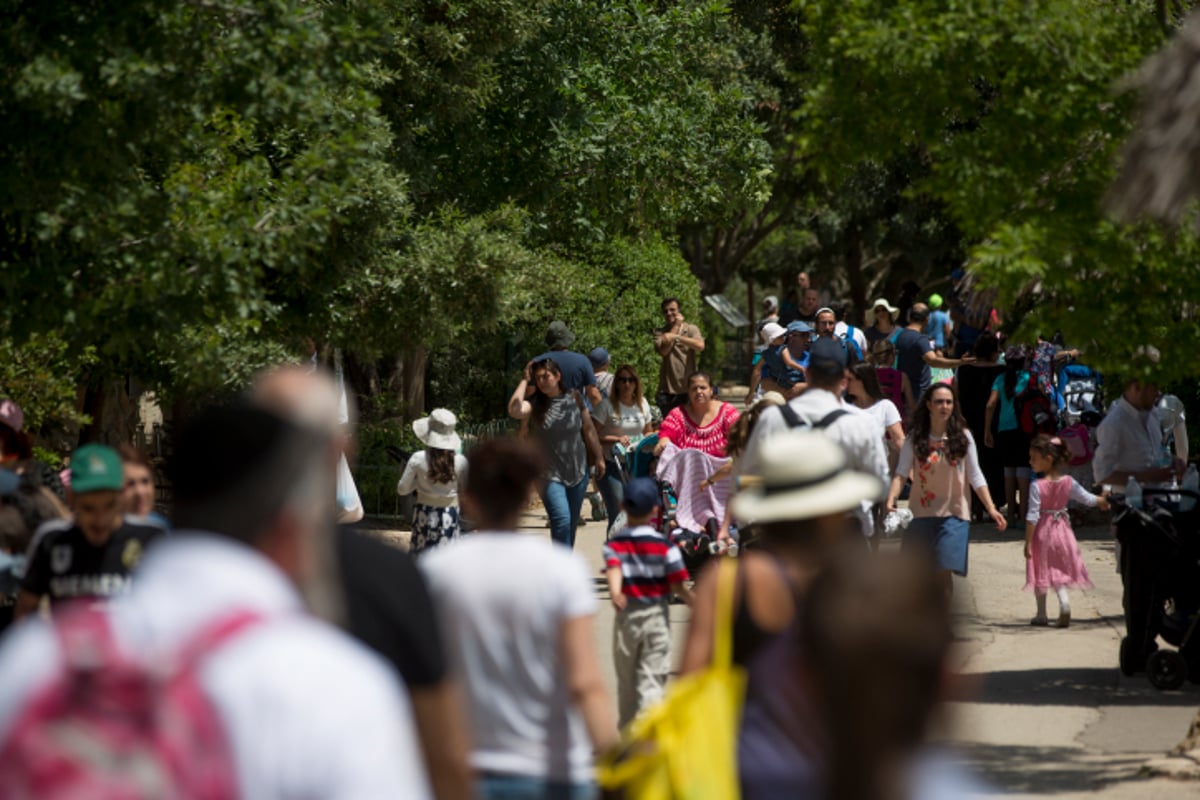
(799, 326)
(804, 475)
(437, 430)
(96, 468)
(558, 335)
(772, 331)
(891, 309)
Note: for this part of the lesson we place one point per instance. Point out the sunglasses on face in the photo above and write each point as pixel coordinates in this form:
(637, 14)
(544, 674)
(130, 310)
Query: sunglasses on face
(626, 379)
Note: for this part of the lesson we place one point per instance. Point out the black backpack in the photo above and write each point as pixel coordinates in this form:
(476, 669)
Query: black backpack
(793, 419)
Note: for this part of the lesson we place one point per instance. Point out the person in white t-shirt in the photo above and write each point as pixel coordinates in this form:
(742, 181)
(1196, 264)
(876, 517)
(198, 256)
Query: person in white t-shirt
(518, 612)
(863, 388)
(622, 419)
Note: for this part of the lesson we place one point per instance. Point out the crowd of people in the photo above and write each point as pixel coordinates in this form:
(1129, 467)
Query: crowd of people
(297, 657)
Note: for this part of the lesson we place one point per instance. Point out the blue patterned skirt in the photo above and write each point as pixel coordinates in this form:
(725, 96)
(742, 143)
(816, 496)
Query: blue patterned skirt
(432, 526)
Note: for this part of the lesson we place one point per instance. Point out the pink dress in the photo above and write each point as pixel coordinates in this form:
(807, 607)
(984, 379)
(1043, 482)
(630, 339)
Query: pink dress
(1054, 554)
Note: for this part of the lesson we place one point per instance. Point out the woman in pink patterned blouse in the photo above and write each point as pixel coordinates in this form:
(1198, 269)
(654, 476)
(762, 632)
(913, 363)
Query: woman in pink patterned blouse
(702, 423)
(940, 457)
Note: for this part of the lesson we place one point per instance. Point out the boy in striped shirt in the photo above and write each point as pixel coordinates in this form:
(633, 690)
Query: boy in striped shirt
(643, 568)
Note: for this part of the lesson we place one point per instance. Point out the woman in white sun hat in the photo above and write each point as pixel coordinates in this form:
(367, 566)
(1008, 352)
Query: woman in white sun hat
(435, 473)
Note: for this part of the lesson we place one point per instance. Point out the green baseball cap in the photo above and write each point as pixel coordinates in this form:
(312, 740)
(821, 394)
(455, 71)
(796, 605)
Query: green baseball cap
(95, 468)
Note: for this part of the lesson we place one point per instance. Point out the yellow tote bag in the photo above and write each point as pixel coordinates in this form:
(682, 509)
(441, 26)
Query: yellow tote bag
(685, 748)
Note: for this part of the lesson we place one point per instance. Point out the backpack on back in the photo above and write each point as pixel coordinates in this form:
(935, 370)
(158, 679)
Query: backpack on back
(1035, 414)
(107, 727)
(1078, 440)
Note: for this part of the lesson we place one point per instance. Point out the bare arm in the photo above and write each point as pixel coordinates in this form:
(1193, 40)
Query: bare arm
(518, 406)
(906, 389)
(440, 714)
(895, 433)
(585, 685)
(934, 360)
(593, 394)
(790, 361)
(615, 580)
(1029, 529)
(665, 340)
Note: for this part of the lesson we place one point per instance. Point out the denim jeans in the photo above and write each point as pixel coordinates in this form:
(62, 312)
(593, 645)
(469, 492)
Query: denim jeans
(521, 787)
(563, 504)
(611, 490)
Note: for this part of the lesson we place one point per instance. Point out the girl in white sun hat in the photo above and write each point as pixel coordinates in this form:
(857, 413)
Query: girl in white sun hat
(435, 473)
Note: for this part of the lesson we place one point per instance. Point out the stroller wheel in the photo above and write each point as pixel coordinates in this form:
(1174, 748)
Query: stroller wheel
(1166, 670)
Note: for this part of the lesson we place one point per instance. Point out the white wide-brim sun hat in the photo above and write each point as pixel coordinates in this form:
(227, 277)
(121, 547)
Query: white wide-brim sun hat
(437, 430)
(804, 475)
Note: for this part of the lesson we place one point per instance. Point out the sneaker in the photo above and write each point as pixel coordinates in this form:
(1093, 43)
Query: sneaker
(1064, 619)
(1039, 621)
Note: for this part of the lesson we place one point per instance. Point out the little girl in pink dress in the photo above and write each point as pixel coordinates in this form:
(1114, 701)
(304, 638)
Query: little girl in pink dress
(1052, 559)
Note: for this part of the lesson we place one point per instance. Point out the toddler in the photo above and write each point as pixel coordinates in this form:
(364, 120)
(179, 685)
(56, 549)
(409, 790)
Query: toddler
(1052, 558)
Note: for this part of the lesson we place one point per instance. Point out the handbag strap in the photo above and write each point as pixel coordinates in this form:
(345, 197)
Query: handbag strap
(727, 569)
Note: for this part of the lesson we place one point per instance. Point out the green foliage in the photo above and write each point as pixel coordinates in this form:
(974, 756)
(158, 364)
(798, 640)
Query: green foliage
(1018, 118)
(42, 376)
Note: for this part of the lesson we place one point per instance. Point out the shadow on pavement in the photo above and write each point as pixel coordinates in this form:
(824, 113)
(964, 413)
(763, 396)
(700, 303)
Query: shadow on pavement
(984, 533)
(1026, 770)
(1084, 686)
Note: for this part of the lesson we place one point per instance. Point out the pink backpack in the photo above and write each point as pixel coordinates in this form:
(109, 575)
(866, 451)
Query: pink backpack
(1078, 440)
(109, 728)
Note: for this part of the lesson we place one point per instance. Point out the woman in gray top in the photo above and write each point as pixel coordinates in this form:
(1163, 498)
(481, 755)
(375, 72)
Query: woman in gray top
(560, 423)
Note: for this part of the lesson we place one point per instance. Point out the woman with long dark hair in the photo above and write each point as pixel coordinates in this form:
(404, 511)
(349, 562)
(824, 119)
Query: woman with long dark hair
(940, 458)
(559, 421)
(863, 387)
(623, 418)
(435, 474)
(1010, 441)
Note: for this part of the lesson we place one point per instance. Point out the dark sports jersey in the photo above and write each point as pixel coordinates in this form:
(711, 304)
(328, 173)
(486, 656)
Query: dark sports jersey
(388, 607)
(66, 566)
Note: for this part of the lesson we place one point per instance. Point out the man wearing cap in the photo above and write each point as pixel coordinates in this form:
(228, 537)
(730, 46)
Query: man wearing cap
(94, 557)
(678, 342)
(577, 372)
(939, 328)
(600, 364)
(821, 407)
(792, 380)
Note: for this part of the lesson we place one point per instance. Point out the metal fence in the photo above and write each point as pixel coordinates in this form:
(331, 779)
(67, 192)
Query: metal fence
(377, 482)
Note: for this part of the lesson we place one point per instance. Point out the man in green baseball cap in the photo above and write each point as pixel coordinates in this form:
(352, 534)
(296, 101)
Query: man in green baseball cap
(92, 556)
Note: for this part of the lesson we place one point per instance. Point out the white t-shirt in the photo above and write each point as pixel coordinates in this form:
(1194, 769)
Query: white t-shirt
(502, 599)
(307, 711)
(885, 411)
(416, 476)
(625, 421)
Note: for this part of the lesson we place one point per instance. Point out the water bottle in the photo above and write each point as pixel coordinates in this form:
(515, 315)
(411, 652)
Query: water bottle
(1191, 485)
(1133, 493)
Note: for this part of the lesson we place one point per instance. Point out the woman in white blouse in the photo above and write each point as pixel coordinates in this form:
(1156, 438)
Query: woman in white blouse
(435, 474)
(868, 395)
(622, 419)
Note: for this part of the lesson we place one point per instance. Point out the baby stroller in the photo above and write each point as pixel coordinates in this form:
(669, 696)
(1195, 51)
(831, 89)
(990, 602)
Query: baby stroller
(1081, 396)
(697, 510)
(1160, 571)
(639, 461)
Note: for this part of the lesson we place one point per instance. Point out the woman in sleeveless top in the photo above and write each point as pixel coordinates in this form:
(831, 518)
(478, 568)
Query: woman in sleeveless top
(780, 742)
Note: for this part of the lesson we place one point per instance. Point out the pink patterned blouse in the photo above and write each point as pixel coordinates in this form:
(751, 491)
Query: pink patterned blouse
(679, 428)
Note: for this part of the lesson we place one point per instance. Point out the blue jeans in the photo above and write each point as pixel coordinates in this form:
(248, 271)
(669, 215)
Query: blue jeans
(521, 787)
(563, 504)
(611, 490)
